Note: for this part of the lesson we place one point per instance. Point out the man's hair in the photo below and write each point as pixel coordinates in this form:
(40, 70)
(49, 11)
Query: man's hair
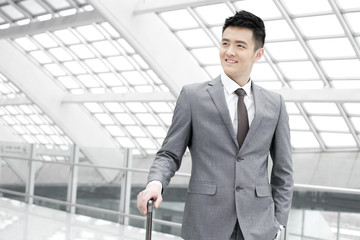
(248, 20)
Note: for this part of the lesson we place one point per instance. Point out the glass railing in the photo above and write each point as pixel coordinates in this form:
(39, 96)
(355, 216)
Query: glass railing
(318, 213)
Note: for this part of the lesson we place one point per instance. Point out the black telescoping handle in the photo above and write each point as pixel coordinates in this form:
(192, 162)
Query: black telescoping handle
(150, 208)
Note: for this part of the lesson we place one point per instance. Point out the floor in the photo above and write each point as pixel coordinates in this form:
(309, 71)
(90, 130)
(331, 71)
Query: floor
(20, 221)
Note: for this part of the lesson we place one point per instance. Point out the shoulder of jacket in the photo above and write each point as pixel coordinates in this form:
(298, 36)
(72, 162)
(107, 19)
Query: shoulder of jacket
(195, 86)
(269, 93)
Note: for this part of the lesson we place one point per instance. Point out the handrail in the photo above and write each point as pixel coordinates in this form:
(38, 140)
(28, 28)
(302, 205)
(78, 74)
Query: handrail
(297, 186)
(327, 189)
(89, 165)
(95, 209)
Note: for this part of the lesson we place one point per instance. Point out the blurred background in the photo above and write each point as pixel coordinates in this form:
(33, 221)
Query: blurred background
(87, 92)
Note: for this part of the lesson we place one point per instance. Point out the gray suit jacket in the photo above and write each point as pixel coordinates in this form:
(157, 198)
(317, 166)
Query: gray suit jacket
(227, 183)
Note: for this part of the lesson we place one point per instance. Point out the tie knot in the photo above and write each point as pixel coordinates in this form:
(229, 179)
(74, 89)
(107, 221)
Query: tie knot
(240, 92)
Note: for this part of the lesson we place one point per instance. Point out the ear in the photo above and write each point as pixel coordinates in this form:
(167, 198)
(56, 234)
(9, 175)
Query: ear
(259, 53)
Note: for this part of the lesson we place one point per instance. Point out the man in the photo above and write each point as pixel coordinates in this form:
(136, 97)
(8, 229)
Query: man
(230, 126)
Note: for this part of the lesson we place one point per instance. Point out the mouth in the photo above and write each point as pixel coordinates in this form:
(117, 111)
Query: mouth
(231, 61)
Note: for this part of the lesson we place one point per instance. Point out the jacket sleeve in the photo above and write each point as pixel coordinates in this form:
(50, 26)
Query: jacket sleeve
(282, 172)
(168, 159)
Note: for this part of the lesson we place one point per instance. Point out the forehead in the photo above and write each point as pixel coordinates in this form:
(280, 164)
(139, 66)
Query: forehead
(233, 33)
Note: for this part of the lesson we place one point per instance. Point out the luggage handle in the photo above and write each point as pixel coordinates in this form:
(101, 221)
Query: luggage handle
(150, 208)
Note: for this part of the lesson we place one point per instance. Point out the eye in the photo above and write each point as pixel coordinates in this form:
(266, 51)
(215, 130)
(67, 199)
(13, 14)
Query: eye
(241, 46)
(224, 43)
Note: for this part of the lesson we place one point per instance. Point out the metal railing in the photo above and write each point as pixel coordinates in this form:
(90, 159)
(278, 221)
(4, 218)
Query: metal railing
(123, 214)
(71, 204)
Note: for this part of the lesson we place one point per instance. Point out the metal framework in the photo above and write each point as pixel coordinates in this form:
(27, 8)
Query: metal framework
(124, 62)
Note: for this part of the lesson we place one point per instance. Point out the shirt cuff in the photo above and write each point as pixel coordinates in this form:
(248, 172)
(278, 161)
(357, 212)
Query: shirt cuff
(155, 182)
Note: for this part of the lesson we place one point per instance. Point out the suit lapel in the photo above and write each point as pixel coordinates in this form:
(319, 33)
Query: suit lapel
(216, 91)
(259, 101)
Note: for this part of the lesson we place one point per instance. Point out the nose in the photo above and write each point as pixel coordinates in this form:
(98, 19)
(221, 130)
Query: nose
(230, 51)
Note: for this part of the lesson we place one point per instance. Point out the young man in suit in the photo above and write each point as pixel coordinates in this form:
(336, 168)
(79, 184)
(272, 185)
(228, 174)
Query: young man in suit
(230, 126)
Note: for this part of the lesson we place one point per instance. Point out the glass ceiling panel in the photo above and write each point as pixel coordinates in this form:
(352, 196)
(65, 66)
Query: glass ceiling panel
(273, 85)
(349, 4)
(353, 19)
(12, 13)
(89, 59)
(267, 10)
(263, 72)
(321, 108)
(352, 108)
(214, 14)
(292, 108)
(298, 123)
(286, 50)
(278, 30)
(356, 122)
(336, 140)
(25, 12)
(207, 56)
(332, 48)
(135, 124)
(298, 70)
(327, 25)
(343, 84)
(302, 7)
(310, 84)
(28, 121)
(304, 140)
(341, 68)
(194, 38)
(33, 7)
(180, 19)
(330, 123)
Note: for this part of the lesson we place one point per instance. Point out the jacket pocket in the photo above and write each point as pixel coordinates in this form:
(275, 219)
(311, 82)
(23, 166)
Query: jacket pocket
(263, 191)
(206, 188)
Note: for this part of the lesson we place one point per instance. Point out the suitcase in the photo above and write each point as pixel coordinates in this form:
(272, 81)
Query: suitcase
(150, 208)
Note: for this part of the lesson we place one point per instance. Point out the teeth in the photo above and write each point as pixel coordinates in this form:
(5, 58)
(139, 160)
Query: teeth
(230, 61)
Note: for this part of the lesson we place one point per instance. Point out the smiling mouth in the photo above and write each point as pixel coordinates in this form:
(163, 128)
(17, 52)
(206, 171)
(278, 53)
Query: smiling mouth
(230, 61)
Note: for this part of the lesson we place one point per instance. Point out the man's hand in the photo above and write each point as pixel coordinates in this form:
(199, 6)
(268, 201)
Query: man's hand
(152, 191)
(279, 232)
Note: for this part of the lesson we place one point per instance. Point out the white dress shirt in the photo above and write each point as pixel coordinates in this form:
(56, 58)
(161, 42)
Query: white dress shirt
(231, 98)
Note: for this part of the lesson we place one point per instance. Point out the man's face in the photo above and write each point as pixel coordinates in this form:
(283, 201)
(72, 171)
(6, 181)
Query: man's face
(237, 53)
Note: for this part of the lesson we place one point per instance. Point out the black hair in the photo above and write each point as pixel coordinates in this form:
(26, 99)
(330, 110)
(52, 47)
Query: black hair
(248, 20)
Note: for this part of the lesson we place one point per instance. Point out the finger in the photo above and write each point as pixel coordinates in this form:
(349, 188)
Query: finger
(141, 203)
(158, 201)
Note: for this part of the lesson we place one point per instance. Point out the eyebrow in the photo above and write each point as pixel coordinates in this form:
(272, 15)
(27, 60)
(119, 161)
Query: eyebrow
(237, 41)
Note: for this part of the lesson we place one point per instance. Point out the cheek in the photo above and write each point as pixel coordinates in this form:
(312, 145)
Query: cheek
(221, 53)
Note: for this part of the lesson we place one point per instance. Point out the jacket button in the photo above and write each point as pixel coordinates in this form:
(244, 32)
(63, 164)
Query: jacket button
(238, 188)
(239, 159)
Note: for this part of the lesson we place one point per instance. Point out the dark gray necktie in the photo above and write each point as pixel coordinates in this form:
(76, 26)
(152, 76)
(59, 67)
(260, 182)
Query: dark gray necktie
(243, 121)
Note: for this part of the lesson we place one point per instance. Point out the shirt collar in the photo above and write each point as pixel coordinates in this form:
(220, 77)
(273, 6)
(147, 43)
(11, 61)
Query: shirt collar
(231, 86)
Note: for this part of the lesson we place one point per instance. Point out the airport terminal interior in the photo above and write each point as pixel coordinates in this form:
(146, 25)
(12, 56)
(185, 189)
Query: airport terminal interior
(87, 94)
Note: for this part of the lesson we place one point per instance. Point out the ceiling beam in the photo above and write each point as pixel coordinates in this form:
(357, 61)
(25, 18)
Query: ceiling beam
(119, 97)
(166, 5)
(149, 36)
(15, 101)
(290, 95)
(73, 119)
(79, 19)
(320, 95)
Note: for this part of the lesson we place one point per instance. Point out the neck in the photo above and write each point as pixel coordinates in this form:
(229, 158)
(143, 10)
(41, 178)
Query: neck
(241, 81)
